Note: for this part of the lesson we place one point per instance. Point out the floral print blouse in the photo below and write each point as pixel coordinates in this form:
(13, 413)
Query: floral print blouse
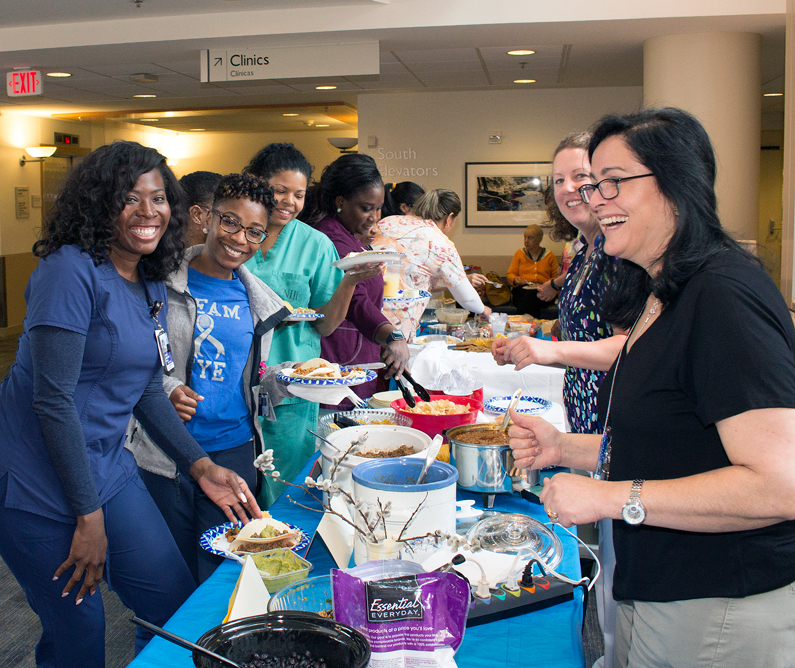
(432, 262)
(579, 306)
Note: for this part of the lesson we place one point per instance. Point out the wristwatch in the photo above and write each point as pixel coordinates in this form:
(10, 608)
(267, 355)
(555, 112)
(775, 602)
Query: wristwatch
(394, 335)
(633, 511)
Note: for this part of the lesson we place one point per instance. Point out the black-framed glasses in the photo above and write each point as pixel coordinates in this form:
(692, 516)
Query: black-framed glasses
(608, 188)
(256, 235)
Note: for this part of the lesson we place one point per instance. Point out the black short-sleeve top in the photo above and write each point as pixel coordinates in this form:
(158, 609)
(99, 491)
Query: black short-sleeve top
(726, 346)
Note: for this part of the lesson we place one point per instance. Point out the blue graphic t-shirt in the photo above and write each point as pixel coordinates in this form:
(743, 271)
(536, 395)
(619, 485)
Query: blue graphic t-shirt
(223, 336)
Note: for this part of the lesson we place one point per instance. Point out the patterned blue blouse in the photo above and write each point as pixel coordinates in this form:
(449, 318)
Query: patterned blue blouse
(580, 317)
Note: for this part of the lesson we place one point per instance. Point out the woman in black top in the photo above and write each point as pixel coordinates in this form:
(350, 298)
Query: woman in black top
(697, 467)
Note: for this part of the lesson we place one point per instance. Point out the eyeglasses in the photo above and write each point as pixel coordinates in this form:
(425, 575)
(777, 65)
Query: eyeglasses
(608, 188)
(256, 235)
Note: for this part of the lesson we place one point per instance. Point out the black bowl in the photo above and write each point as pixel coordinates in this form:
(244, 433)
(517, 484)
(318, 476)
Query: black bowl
(281, 634)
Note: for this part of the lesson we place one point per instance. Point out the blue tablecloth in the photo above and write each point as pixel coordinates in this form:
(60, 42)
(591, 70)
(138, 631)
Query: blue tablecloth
(550, 637)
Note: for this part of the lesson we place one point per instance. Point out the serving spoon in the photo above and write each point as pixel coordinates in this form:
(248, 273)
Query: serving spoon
(430, 455)
(507, 419)
(187, 644)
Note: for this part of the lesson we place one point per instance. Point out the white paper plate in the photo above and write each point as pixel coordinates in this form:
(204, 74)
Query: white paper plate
(301, 317)
(350, 262)
(287, 376)
(400, 298)
(526, 405)
(214, 540)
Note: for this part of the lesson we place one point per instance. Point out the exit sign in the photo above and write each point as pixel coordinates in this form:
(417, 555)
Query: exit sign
(23, 82)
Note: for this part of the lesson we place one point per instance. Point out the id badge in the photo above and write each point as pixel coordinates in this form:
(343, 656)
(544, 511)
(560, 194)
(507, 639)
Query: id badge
(164, 349)
(265, 407)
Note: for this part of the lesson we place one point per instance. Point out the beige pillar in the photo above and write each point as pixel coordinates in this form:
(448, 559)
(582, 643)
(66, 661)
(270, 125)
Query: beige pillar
(788, 222)
(717, 78)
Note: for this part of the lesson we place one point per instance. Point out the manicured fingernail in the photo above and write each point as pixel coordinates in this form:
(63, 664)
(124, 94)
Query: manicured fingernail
(78, 601)
(55, 578)
(243, 497)
(65, 594)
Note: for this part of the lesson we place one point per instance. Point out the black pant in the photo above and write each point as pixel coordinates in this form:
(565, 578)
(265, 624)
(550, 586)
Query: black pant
(527, 301)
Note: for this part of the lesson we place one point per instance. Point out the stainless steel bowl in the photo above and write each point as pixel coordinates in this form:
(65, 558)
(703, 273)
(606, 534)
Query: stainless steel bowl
(482, 468)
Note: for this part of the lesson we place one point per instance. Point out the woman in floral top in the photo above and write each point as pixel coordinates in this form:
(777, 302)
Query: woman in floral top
(432, 261)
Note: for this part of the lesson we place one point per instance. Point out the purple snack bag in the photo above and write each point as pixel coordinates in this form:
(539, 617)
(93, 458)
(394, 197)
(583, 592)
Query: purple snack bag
(409, 621)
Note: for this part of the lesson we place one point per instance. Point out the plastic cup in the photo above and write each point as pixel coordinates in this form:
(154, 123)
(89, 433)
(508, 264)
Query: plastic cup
(391, 282)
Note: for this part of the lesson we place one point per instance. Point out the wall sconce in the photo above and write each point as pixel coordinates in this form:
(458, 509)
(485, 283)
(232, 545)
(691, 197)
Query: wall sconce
(345, 144)
(39, 152)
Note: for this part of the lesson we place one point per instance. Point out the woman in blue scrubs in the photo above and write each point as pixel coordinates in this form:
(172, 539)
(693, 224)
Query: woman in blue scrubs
(71, 504)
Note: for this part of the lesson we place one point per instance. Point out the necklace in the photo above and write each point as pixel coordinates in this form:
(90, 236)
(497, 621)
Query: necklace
(585, 268)
(606, 445)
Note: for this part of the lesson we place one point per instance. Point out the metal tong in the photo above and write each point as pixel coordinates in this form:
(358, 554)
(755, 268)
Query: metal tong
(407, 397)
(422, 393)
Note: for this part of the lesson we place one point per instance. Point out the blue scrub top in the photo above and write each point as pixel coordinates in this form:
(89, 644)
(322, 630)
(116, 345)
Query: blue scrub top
(66, 290)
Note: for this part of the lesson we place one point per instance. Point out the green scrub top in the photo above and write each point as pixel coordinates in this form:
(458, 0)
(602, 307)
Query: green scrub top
(298, 269)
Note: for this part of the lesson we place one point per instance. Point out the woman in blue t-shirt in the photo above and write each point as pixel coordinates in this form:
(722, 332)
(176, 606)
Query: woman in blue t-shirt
(221, 320)
(71, 504)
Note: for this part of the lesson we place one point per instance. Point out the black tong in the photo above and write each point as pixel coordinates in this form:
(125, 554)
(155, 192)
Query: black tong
(422, 393)
(407, 397)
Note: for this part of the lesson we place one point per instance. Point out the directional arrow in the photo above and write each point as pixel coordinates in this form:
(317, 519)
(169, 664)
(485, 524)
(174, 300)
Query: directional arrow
(218, 62)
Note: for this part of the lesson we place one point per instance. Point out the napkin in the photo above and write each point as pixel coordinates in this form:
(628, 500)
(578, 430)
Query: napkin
(326, 394)
(496, 565)
(250, 596)
(337, 534)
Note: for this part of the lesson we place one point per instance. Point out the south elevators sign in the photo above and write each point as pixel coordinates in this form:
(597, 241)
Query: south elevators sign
(289, 62)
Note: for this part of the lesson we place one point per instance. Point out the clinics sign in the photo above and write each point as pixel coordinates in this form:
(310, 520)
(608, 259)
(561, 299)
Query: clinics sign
(289, 62)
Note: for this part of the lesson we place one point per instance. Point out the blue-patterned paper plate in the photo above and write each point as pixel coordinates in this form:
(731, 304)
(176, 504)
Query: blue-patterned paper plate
(214, 541)
(287, 377)
(400, 298)
(526, 405)
(301, 317)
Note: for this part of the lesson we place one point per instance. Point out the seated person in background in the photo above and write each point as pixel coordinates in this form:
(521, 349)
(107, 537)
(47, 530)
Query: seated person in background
(199, 187)
(531, 266)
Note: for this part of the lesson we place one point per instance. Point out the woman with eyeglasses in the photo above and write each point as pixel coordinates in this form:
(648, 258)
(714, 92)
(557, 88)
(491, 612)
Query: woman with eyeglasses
(220, 323)
(697, 465)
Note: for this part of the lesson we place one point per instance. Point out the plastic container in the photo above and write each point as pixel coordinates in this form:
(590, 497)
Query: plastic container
(274, 583)
(452, 316)
(436, 424)
(310, 595)
(282, 633)
(395, 481)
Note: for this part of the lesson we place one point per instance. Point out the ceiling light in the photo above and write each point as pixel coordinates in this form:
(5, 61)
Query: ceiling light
(322, 125)
(325, 87)
(145, 95)
(196, 130)
(521, 52)
(289, 114)
(149, 120)
(343, 143)
(58, 75)
(524, 80)
(772, 94)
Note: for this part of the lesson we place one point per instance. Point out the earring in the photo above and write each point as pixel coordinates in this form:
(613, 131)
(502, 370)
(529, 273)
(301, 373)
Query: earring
(205, 230)
(339, 210)
(676, 211)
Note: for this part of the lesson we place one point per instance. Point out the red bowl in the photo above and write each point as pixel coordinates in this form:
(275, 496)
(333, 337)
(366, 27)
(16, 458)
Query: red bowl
(436, 424)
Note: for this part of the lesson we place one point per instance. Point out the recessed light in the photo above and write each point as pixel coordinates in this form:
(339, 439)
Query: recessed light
(145, 95)
(521, 52)
(772, 94)
(321, 125)
(524, 80)
(58, 75)
(289, 114)
(325, 87)
(196, 130)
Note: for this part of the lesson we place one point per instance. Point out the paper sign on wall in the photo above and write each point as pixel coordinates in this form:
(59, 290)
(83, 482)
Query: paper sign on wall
(22, 201)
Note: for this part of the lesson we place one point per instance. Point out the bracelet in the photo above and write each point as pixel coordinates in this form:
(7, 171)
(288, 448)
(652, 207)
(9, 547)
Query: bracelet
(554, 285)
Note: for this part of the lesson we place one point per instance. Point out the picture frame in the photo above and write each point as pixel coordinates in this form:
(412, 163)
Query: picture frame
(506, 194)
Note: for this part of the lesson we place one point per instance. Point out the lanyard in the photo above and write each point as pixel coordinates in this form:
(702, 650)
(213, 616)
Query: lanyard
(161, 337)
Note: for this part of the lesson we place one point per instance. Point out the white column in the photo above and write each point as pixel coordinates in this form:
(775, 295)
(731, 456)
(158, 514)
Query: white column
(717, 78)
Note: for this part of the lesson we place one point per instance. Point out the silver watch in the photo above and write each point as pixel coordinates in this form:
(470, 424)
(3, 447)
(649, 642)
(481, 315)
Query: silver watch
(633, 511)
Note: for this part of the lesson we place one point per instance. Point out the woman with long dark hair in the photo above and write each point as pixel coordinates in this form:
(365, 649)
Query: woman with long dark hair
(347, 202)
(295, 261)
(399, 198)
(92, 354)
(696, 467)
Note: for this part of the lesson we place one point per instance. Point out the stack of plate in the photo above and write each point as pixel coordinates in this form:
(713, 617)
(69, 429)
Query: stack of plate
(384, 399)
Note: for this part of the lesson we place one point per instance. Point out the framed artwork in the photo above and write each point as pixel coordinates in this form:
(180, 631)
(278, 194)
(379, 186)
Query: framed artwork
(506, 194)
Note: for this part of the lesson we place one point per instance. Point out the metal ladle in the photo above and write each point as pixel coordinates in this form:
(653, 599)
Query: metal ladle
(187, 644)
